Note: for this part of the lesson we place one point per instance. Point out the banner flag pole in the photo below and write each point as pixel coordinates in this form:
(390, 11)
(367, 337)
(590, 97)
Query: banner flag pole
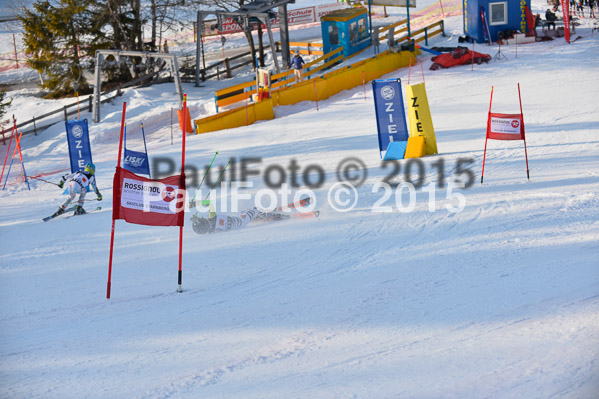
(180, 274)
(113, 219)
(486, 137)
(522, 119)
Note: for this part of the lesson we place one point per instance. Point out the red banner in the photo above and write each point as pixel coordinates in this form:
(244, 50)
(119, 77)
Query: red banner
(294, 17)
(505, 127)
(150, 202)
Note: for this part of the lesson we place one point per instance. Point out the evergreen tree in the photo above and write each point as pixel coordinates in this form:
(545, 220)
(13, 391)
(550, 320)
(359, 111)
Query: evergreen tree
(4, 103)
(54, 38)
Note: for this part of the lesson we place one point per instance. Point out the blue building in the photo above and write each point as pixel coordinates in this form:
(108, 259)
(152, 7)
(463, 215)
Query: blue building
(499, 16)
(347, 27)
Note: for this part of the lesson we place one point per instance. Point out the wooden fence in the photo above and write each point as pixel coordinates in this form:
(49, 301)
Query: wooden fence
(39, 123)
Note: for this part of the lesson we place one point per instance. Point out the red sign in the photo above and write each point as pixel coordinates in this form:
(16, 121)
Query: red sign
(151, 202)
(505, 127)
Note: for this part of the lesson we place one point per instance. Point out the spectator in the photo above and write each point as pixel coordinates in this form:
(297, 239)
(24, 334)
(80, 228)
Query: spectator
(297, 63)
(551, 18)
(165, 47)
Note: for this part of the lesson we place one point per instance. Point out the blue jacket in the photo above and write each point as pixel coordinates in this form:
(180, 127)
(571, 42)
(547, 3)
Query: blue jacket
(297, 62)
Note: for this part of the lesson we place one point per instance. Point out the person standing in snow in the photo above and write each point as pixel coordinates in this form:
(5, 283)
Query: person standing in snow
(297, 63)
(77, 185)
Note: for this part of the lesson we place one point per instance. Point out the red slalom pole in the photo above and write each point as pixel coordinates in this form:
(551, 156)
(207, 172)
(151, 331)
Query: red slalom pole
(12, 133)
(12, 159)
(180, 273)
(118, 166)
(110, 261)
(482, 175)
(522, 119)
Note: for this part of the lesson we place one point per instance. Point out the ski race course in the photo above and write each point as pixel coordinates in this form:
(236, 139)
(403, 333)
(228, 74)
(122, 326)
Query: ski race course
(498, 300)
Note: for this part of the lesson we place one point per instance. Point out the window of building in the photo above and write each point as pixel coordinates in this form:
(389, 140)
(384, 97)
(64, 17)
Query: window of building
(498, 13)
(362, 28)
(333, 35)
(353, 32)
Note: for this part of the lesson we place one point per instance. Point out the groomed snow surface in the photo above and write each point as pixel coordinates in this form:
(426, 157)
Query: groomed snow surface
(500, 300)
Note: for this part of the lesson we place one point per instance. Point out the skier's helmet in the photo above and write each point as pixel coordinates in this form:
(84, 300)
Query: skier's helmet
(201, 225)
(90, 168)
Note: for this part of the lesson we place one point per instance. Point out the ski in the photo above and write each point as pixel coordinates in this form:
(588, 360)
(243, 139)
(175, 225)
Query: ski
(296, 204)
(66, 213)
(274, 216)
(86, 212)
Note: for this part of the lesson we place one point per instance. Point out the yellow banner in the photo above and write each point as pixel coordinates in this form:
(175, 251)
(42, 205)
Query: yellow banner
(419, 114)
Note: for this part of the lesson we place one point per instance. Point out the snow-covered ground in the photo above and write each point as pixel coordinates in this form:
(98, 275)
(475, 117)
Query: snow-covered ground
(500, 300)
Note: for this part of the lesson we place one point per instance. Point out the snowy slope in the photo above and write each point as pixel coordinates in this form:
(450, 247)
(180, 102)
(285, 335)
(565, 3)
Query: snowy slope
(500, 300)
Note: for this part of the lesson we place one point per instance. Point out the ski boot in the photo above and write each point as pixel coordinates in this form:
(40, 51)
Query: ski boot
(79, 210)
(59, 212)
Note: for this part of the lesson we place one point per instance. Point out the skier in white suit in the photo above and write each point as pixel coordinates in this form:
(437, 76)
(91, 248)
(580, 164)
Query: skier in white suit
(77, 185)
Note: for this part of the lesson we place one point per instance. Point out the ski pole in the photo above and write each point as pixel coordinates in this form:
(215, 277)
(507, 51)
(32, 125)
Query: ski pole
(192, 202)
(217, 180)
(45, 181)
(207, 170)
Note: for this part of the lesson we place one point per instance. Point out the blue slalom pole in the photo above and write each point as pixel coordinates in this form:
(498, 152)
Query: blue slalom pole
(25, 173)
(143, 134)
(8, 173)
